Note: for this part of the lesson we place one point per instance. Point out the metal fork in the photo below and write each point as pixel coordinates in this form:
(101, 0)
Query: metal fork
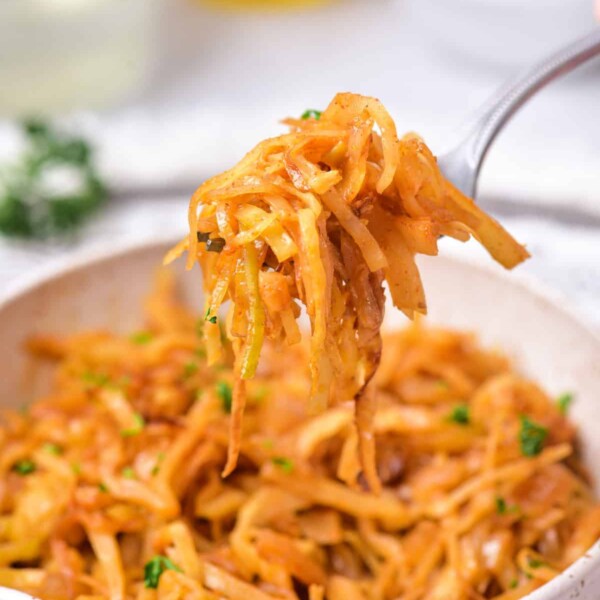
(461, 165)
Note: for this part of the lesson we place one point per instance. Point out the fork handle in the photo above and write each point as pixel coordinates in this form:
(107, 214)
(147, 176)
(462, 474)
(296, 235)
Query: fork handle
(501, 107)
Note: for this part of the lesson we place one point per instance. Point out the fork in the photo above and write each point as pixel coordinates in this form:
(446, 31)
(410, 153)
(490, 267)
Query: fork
(461, 164)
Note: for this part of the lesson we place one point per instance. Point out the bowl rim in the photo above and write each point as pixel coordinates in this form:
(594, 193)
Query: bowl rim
(103, 251)
(79, 259)
(11, 594)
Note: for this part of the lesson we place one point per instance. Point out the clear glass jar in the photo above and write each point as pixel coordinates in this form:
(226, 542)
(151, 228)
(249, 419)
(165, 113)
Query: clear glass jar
(57, 55)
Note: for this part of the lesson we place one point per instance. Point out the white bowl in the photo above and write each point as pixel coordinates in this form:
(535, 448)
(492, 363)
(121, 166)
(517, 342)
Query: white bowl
(105, 289)
(7, 594)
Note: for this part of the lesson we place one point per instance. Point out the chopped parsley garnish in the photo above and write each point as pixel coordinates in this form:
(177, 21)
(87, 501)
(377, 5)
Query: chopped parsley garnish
(564, 402)
(128, 473)
(155, 567)
(460, 414)
(159, 458)
(24, 467)
(532, 437)
(103, 487)
(51, 448)
(311, 113)
(138, 426)
(225, 394)
(503, 508)
(285, 464)
(513, 584)
(156, 468)
(207, 317)
(52, 188)
(95, 379)
(141, 337)
(190, 369)
(535, 563)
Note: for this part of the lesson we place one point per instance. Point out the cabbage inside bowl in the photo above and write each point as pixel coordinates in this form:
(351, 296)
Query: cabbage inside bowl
(106, 290)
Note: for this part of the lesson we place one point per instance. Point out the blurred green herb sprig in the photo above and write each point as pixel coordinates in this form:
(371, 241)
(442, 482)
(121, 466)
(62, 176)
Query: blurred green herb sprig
(52, 187)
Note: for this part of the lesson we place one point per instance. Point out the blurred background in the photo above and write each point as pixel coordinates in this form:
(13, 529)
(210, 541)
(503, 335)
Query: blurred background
(113, 111)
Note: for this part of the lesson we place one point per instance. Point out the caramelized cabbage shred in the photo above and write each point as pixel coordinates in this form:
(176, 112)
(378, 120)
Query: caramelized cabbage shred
(322, 217)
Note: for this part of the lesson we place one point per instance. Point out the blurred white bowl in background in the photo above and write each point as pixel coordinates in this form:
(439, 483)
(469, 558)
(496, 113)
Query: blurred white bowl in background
(57, 55)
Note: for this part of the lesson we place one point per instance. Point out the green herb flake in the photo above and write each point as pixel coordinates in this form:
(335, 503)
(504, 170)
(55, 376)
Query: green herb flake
(535, 563)
(76, 468)
(501, 505)
(190, 369)
(95, 379)
(128, 473)
(103, 487)
(156, 468)
(141, 338)
(531, 437)
(155, 567)
(225, 393)
(35, 127)
(564, 401)
(207, 317)
(53, 449)
(460, 414)
(503, 508)
(138, 426)
(513, 584)
(311, 113)
(285, 464)
(24, 467)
